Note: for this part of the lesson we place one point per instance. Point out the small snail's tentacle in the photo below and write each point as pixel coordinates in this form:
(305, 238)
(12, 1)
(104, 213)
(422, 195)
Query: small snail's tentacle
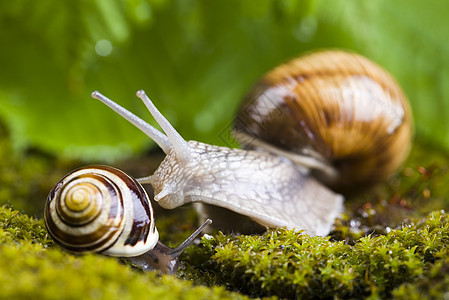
(156, 259)
(180, 146)
(178, 250)
(164, 258)
(158, 137)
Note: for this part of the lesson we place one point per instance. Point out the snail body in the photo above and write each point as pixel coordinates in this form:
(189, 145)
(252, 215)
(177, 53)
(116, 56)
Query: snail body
(251, 183)
(268, 188)
(102, 209)
(283, 183)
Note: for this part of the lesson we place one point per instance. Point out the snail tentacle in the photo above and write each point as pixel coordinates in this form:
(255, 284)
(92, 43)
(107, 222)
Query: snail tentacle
(164, 258)
(158, 137)
(180, 146)
(183, 246)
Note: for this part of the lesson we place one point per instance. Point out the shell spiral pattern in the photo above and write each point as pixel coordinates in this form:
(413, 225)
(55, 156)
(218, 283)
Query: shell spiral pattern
(101, 209)
(338, 107)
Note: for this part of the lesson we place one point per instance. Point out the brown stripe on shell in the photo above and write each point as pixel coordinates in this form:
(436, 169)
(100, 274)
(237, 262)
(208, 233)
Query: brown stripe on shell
(143, 215)
(104, 237)
(79, 243)
(77, 222)
(143, 223)
(84, 243)
(109, 236)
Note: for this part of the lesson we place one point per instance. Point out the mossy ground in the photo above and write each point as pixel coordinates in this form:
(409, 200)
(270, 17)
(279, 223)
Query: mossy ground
(392, 242)
(31, 267)
(406, 262)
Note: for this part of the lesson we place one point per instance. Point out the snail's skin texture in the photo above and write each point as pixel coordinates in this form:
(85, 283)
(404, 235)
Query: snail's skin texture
(337, 107)
(102, 209)
(252, 183)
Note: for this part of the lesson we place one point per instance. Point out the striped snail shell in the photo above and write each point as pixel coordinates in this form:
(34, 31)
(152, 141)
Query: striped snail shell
(102, 209)
(337, 113)
(87, 211)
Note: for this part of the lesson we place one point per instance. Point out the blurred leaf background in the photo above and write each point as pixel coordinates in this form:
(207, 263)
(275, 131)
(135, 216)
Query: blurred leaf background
(196, 60)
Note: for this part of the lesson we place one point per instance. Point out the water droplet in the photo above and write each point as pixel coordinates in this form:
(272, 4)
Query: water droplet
(103, 47)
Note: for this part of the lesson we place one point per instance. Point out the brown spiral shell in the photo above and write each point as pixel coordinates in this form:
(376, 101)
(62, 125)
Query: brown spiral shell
(339, 108)
(101, 209)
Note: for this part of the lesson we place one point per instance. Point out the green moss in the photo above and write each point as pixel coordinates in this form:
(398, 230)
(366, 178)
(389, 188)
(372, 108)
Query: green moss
(386, 244)
(433, 284)
(382, 246)
(289, 264)
(419, 188)
(18, 228)
(51, 274)
(31, 268)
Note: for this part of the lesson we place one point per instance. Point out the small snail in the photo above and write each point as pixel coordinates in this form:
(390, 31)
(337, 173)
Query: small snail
(329, 118)
(102, 209)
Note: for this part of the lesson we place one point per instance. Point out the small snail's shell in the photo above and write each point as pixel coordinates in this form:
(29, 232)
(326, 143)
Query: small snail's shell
(337, 107)
(101, 209)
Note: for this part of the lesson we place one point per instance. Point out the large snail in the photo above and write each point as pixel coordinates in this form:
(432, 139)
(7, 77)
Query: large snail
(326, 120)
(332, 114)
(102, 209)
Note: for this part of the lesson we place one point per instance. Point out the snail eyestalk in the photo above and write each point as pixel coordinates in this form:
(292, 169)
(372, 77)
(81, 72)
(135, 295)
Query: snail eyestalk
(178, 250)
(158, 137)
(164, 258)
(177, 141)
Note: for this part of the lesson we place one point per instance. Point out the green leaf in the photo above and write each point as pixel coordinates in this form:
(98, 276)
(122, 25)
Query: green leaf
(408, 38)
(196, 60)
